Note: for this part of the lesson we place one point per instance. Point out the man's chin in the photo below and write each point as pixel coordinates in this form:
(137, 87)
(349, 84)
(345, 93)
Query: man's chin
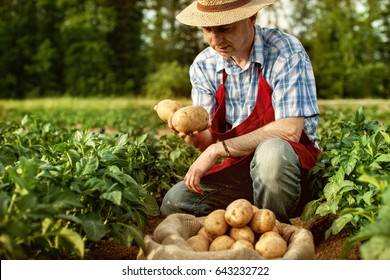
(224, 51)
(225, 54)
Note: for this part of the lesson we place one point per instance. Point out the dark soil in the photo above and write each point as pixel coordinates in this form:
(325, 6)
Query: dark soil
(326, 249)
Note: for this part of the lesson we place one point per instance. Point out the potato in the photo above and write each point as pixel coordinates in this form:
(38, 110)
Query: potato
(190, 119)
(199, 243)
(239, 213)
(242, 233)
(270, 234)
(271, 247)
(167, 107)
(241, 244)
(262, 221)
(220, 243)
(215, 224)
(204, 233)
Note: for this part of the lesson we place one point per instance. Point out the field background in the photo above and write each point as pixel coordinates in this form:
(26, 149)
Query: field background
(375, 108)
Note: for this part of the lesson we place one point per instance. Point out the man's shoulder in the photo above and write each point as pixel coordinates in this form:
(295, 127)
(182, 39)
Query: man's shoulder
(277, 41)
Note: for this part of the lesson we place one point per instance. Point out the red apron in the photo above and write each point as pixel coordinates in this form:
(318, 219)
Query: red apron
(262, 114)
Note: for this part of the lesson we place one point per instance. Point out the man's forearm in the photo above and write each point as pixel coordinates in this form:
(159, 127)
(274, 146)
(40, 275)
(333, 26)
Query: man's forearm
(289, 128)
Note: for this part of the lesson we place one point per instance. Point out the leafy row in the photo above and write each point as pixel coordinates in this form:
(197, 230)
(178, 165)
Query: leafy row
(63, 189)
(353, 172)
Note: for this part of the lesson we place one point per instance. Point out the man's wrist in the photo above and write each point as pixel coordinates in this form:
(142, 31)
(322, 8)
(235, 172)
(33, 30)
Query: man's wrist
(228, 154)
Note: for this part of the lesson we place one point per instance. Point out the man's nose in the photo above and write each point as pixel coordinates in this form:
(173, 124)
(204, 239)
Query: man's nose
(215, 38)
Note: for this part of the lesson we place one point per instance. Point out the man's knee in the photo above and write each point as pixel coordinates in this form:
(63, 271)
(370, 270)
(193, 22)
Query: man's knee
(272, 156)
(171, 201)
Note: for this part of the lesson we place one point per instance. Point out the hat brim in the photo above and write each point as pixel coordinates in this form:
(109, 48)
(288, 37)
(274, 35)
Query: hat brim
(194, 17)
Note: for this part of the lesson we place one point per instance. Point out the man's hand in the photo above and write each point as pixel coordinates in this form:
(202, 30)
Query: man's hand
(201, 165)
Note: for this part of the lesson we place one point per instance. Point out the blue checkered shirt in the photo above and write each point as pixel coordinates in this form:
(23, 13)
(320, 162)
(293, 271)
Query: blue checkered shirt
(286, 68)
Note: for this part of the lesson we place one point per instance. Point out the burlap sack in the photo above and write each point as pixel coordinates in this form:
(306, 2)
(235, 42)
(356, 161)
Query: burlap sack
(168, 242)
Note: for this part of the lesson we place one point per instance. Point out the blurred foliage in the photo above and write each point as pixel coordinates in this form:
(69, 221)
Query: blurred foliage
(348, 42)
(169, 81)
(116, 48)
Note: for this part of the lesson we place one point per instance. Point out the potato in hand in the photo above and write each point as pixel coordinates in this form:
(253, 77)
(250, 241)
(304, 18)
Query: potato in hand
(166, 107)
(190, 119)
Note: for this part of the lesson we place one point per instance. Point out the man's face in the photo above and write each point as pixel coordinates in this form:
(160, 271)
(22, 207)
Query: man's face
(231, 39)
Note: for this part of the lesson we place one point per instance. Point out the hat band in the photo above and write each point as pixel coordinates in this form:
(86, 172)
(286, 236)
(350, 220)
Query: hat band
(222, 7)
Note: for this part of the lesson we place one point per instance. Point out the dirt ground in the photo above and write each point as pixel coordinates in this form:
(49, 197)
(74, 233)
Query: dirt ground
(326, 249)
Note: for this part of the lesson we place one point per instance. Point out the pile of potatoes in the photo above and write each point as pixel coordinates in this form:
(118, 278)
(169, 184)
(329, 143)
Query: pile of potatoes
(187, 119)
(240, 225)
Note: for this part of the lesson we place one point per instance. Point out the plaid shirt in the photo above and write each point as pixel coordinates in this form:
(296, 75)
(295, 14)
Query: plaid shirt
(286, 68)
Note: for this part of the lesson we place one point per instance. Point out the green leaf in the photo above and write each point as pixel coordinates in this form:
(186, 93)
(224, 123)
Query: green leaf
(27, 202)
(8, 245)
(23, 175)
(94, 229)
(86, 166)
(45, 225)
(350, 199)
(73, 239)
(370, 150)
(121, 140)
(73, 156)
(323, 209)
(339, 223)
(386, 136)
(331, 190)
(375, 166)
(114, 196)
(24, 120)
(122, 178)
(174, 155)
(70, 218)
(310, 209)
(377, 248)
(151, 205)
(139, 140)
(4, 203)
(383, 158)
(346, 186)
(63, 200)
(375, 180)
(95, 184)
(7, 155)
(133, 233)
(367, 197)
(107, 157)
(350, 166)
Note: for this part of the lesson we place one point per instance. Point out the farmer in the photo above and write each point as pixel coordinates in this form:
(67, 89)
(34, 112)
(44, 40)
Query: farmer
(258, 86)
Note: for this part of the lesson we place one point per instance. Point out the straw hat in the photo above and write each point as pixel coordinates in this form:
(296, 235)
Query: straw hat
(220, 12)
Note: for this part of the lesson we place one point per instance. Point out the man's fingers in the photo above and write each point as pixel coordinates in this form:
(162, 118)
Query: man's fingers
(193, 185)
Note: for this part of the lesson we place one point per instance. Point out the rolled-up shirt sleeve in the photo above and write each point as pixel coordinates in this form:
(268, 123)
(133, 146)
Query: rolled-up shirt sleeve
(203, 91)
(294, 90)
